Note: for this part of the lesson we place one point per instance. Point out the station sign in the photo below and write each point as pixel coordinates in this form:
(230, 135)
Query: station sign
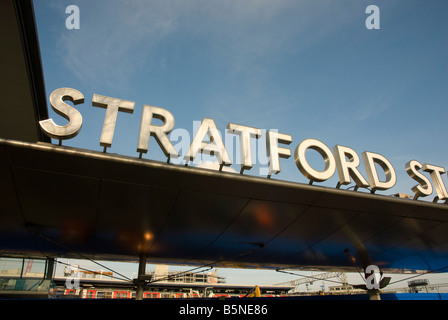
(208, 140)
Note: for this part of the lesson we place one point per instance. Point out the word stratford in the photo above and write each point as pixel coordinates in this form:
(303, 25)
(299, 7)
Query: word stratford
(343, 159)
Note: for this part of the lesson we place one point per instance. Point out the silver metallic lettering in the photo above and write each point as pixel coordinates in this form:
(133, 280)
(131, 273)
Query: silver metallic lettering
(424, 188)
(159, 132)
(370, 159)
(214, 147)
(347, 169)
(112, 106)
(306, 169)
(57, 99)
(274, 152)
(208, 140)
(436, 176)
(245, 134)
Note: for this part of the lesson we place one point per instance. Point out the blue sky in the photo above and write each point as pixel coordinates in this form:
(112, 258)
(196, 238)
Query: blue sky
(310, 69)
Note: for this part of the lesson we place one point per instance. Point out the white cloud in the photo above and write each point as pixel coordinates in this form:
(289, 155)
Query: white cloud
(114, 40)
(117, 37)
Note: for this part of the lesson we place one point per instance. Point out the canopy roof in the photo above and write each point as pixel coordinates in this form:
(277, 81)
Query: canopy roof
(63, 201)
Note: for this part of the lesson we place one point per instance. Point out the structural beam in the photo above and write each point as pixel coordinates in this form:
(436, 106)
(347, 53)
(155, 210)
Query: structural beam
(141, 277)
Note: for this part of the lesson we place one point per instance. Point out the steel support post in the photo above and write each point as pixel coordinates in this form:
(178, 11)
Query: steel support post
(49, 269)
(374, 294)
(140, 278)
(373, 283)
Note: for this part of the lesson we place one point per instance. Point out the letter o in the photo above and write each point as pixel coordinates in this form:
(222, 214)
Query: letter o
(306, 169)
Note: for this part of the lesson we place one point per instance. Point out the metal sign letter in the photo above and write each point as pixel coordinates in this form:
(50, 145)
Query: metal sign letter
(369, 161)
(57, 99)
(214, 147)
(159, 132)
(436, 175)
(112, 106)
(424, 188)
(347, 169)
(274, 152)
(306, 169)
(245, 133)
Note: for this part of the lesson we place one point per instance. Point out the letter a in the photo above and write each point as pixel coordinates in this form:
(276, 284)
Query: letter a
(373, 21)
(373, 278)
(72, 21)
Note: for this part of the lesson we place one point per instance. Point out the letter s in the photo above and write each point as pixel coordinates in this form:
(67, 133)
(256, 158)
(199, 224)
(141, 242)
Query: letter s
(424, 188)
(57, 99)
